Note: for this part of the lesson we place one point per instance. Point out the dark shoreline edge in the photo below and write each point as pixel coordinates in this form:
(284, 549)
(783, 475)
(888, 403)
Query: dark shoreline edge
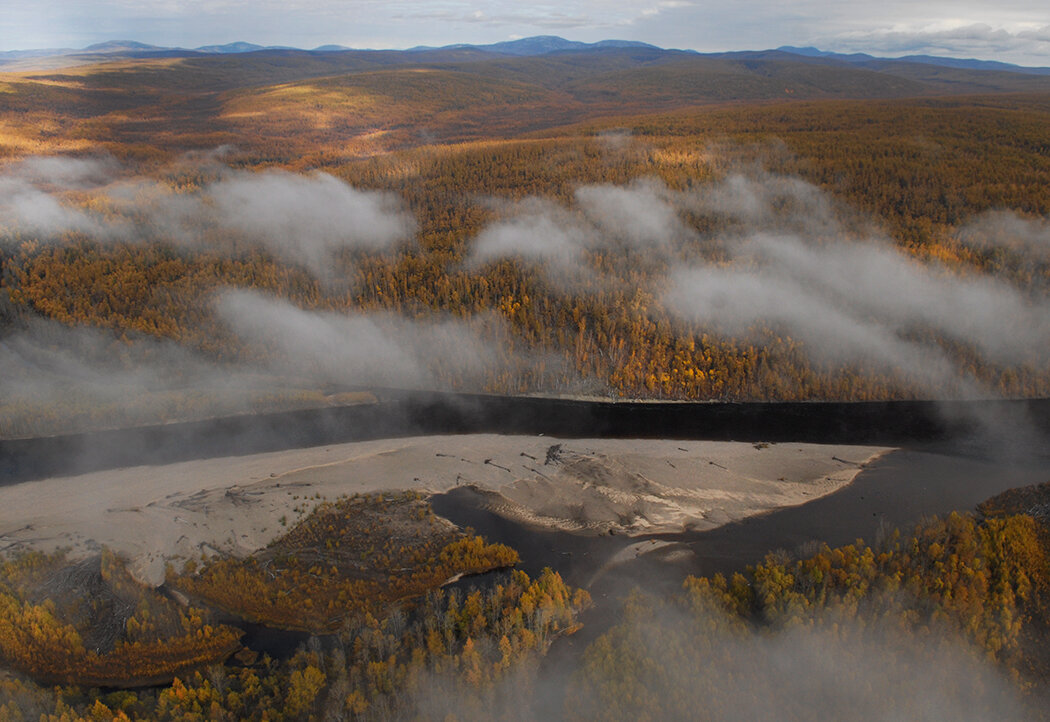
(416, 413)
(893, 492)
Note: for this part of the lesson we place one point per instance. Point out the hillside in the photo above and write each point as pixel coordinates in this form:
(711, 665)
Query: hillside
(564, 83)
(559, 215)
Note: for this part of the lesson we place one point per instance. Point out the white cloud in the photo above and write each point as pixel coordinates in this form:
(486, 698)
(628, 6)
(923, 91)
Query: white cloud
(33, 197)
(640, 216)
(980, 40)
(1028, 237)
(862, 303)
(307, 218)
(367, 349)
(66, 173)
(303, 219)
(540, 16)
(854, 302)
(791, 269)
(536, 230)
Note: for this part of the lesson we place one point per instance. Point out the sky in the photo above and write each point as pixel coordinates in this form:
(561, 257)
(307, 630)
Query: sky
(1016, 31)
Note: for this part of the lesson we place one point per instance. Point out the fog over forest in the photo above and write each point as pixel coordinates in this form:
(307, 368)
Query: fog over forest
(542, 380)
(783, 261)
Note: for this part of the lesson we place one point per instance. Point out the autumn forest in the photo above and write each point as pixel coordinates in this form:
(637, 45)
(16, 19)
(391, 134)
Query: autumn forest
(197, 237)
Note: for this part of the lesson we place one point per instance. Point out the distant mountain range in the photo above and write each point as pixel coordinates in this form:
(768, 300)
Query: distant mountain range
(538, 45)
(964, 64)
(541, 45)
(133, 48)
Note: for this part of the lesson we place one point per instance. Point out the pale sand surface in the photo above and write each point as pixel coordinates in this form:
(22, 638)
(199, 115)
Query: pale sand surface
(236, 504)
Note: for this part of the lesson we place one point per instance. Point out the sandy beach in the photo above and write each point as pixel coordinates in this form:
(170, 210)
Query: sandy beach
(236, 505)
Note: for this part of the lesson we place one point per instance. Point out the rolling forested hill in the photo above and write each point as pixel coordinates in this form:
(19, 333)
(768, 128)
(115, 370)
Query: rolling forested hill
(624, 161)
(231, 229)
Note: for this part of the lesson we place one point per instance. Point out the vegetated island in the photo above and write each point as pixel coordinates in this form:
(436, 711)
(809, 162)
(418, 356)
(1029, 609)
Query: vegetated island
(369, 573)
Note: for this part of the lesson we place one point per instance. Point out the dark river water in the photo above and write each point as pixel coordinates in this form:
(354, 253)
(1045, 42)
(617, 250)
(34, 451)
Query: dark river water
(895, 491)
(939, 470)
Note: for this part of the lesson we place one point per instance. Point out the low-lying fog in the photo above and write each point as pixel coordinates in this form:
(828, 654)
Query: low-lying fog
(784, 259)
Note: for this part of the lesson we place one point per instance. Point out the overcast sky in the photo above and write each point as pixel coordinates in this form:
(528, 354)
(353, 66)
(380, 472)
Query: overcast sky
(1010, 30)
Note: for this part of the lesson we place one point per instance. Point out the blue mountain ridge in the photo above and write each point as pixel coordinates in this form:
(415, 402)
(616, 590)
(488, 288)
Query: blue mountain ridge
(524, 47)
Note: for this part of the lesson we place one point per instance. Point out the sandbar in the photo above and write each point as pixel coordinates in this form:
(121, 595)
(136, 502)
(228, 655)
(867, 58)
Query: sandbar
(236, 505)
